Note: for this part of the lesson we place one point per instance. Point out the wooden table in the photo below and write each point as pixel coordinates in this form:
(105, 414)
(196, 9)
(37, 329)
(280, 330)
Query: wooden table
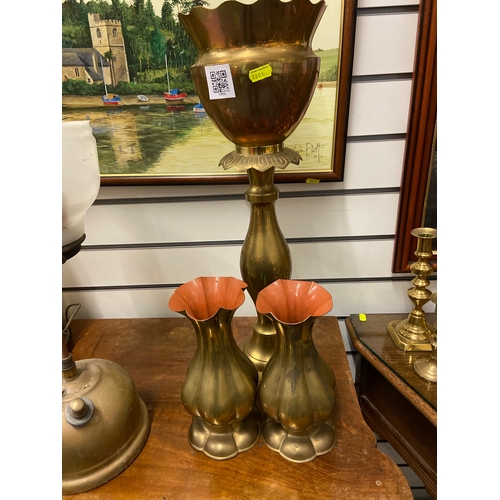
(397, 404)
(156, 353)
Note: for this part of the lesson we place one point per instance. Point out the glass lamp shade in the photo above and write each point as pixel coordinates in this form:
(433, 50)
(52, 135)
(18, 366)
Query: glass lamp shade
(80, 177)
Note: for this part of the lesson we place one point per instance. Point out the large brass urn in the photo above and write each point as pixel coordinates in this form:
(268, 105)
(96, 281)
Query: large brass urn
(255, 76)
(272, 74)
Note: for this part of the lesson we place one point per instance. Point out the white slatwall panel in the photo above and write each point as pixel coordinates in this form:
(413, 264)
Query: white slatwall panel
(367, 297)
(385, 3)
(372, 165)
(385, 44)
(208, 221)
(339, 259)
(379, 108)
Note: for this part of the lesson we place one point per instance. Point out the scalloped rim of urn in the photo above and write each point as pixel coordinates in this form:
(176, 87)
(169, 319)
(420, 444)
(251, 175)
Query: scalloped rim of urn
(305, 14)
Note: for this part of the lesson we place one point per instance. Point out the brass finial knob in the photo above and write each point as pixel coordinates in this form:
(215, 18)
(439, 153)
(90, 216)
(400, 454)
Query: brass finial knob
(79, 411)
(77, 408)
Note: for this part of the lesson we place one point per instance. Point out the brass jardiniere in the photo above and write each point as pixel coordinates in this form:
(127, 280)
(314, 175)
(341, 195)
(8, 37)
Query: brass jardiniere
(264, 74)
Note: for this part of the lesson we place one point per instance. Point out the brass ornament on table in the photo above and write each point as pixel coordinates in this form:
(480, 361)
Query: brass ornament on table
(427, 367)
(265, 48)
(220, 386)
(413, 333)
(297, 391)
(104, 423)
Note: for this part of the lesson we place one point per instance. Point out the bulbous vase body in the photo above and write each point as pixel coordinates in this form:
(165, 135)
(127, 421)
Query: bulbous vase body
(272, 67)
(220, 386)
(297, 391)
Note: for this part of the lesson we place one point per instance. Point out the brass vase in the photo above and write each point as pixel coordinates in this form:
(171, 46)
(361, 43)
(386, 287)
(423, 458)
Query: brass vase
(220, 386)
(297, 391)
(255, 76)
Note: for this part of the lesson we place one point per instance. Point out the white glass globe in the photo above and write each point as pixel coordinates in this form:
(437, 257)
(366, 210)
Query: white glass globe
(80, 177)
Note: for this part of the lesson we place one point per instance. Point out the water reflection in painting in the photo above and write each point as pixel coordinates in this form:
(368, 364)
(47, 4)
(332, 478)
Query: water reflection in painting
(159, 139)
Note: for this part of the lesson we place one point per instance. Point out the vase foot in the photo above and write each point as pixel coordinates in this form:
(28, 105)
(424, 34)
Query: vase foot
(222, 442)
(300, 447)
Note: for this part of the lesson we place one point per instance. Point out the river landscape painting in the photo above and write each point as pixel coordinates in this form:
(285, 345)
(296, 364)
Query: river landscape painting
(154, 140)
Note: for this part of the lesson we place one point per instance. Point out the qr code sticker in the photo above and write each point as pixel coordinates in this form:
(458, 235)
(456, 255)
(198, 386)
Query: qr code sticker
(220, 82)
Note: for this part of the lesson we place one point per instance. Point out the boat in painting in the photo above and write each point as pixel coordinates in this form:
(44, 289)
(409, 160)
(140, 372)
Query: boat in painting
(198, 108)
(108, 100)
(113, 100)
(174, 94)
(142, 98)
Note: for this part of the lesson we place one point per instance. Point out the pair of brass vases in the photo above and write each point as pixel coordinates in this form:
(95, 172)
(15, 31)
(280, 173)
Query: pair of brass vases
(292, 406)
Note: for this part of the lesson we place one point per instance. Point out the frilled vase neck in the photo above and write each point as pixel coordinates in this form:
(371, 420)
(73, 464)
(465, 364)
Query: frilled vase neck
(292, 302)
(265, 22)
(204, 297)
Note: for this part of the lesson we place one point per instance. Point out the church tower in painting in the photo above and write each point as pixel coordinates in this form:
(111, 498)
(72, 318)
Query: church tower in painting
(107, 37)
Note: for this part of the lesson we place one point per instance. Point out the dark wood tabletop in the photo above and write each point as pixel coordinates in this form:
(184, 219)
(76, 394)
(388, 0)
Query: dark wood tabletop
(156, 353)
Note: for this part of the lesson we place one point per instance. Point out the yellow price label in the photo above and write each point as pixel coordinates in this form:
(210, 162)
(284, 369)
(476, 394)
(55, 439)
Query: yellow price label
(362, 317)
(260, 73)
(312, 181)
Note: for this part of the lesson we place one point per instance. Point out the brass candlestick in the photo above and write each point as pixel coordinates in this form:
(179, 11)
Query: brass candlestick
(427, 367)
(413, 333)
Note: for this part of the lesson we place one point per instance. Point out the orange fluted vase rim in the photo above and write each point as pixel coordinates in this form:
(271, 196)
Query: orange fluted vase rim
(234, 24)
(293, 301)
(200, 299)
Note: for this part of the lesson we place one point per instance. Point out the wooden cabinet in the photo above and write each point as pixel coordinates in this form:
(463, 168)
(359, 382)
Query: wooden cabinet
(396, 403)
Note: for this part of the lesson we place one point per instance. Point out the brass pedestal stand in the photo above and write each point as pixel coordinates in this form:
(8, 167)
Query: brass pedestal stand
(413, 333)
(265, 257)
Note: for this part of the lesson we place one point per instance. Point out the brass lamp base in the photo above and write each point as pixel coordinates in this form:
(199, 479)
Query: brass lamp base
(401, 336)
(104, 425)
(222, 442)
(300, 446)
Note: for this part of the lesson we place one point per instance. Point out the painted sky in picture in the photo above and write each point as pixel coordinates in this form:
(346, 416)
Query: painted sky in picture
(328, 32)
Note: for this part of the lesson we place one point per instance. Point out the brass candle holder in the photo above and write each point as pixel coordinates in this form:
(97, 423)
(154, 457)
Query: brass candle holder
(413, 333)
(427, 367)
(255, 76)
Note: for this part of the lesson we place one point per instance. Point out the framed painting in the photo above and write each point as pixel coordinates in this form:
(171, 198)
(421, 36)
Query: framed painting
(126, 68)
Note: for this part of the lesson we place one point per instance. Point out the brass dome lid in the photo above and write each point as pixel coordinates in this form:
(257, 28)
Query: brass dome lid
(104, 425)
